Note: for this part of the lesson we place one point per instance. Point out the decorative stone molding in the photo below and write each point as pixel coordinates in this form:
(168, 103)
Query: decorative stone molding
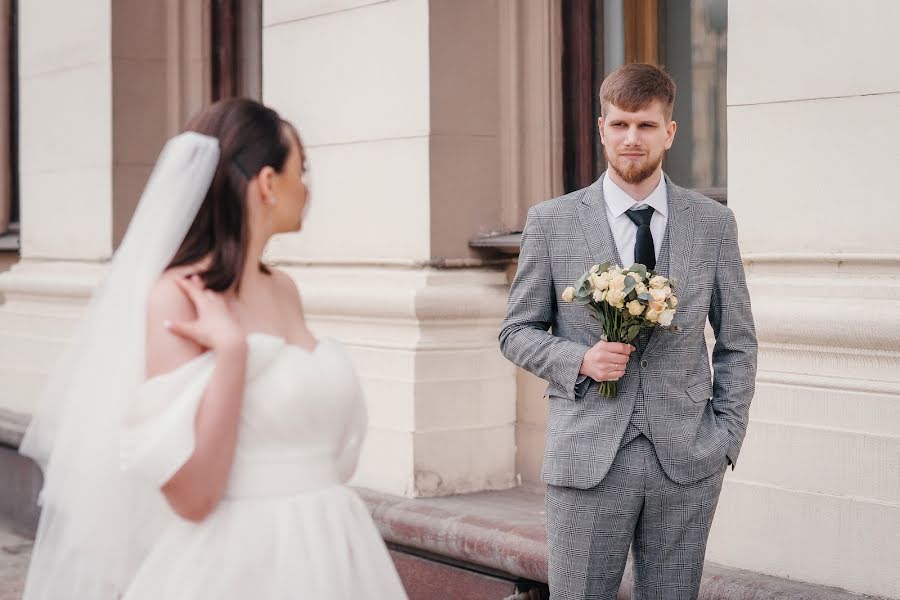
(441, 397)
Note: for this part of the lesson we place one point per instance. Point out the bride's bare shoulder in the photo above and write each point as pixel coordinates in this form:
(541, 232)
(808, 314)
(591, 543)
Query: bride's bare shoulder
(167, 301)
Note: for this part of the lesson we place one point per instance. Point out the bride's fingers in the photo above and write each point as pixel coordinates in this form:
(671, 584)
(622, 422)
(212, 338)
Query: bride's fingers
(185, 329)
(204, 295)
(192, 289)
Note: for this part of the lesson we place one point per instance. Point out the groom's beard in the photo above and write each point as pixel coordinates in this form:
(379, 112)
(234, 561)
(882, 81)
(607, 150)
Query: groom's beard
(633, 172)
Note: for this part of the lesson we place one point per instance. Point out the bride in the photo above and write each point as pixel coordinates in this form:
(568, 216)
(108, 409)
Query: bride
(195, 437)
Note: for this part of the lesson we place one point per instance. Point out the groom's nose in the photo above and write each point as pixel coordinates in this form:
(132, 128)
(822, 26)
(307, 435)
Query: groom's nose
(631, 136)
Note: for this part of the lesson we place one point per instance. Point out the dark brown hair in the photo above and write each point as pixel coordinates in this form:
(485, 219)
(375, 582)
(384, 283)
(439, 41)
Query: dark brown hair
(634, 86)
(251, 136)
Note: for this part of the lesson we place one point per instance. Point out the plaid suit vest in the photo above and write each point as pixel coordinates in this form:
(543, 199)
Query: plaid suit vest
(640, 421)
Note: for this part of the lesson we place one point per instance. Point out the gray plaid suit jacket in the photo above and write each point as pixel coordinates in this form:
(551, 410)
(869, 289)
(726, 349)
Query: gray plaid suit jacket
(697, 418)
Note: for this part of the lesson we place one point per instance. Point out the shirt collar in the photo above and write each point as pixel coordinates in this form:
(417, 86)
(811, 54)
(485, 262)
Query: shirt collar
(619, 201)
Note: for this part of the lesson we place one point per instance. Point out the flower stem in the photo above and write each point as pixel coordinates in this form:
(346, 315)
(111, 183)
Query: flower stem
(609, 389)
(613, 324)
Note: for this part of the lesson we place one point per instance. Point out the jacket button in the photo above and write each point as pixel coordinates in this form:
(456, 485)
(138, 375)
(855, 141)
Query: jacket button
(644, 364)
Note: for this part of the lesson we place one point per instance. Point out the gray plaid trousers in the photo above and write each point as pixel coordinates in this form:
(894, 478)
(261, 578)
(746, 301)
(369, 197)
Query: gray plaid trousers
(666, 524)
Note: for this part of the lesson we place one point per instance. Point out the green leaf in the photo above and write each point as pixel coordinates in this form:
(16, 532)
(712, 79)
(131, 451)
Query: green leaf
(646, 297)
(597, 314)
(639, 269)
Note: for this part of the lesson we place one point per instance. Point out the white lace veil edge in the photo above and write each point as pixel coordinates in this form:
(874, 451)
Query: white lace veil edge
(96, 522)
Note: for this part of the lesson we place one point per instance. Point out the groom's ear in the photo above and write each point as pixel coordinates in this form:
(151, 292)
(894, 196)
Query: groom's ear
(600, 128)
(670, 133)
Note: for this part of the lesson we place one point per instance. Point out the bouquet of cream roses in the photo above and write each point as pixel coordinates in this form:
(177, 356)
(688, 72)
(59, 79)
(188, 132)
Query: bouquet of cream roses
(624, 301)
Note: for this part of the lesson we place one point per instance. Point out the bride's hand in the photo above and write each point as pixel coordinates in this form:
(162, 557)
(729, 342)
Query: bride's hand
(215, 327)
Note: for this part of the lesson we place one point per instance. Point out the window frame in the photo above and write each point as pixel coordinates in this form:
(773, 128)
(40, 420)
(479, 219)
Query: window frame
(645, 40)
(224, 45)
(9, 239)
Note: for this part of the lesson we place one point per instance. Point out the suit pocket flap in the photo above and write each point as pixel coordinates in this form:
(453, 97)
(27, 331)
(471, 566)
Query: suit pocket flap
(700, 392)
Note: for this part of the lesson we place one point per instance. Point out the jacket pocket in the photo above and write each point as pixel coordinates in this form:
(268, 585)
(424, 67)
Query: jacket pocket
(700, 392)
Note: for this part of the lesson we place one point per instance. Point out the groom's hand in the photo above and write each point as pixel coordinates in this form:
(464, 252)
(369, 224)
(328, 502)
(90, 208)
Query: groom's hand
(606, 361)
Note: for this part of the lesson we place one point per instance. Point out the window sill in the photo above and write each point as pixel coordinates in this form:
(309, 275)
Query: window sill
(504, 245)
(9, 241)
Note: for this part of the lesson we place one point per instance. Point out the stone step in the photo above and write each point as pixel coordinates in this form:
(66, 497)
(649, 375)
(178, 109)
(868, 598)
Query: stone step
(504, 533)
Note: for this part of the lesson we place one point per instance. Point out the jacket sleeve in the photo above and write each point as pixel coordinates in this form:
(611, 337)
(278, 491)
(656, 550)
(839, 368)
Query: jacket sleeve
(524, 337)
(734, 354)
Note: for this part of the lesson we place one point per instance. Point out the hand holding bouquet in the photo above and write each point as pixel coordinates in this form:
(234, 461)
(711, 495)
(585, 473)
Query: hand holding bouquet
(624, 302)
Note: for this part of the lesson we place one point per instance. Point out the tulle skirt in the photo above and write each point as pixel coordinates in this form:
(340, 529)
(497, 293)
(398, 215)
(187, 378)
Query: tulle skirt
(321, 544)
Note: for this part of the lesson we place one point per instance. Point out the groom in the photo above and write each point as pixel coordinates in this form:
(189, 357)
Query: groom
(643, 469)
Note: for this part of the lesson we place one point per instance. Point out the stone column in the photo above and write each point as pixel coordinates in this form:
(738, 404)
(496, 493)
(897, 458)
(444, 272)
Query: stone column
(102, 85)
(812, 156)
(399, 107)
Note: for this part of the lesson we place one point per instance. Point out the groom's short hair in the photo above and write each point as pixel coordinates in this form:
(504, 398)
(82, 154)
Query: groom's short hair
(634, 86)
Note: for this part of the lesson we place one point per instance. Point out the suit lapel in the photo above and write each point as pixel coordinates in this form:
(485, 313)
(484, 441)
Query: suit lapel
(592, 218)
(680, 234)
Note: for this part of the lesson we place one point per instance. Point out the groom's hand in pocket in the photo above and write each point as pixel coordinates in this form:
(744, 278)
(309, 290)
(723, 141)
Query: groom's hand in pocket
(606, 361)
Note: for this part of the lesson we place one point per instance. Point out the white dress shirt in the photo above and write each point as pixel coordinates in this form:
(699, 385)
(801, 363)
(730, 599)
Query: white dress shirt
(623, 229)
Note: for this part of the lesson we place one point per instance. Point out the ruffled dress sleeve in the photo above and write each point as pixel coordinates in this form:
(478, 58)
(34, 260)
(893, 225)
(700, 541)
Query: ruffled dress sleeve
(158, 435)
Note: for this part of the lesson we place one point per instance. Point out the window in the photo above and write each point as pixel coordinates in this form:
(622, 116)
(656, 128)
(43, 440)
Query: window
(236, 39)
(9, 135)
(688, 37)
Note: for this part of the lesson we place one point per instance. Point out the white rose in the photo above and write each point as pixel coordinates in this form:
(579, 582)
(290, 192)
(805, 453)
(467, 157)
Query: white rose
(615, 298)
(651, 315)
(568, 294)
(617, 282)
(667, 290)
(659, 294)
(600, 282)
(636, 276)
(658, 281)
(640, 288)
(595, 268)
(665, 317)
(635, 308)
(657, 306)
(673, 301)
(599, 295)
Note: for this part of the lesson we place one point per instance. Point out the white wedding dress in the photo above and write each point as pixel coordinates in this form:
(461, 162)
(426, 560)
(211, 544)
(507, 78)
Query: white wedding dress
(288, 527)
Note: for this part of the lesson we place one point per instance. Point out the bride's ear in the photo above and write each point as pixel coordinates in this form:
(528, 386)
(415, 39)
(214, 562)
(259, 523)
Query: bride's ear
(264, 182)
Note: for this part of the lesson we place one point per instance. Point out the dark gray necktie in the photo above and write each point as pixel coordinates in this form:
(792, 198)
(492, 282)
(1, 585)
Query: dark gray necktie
(644, 252)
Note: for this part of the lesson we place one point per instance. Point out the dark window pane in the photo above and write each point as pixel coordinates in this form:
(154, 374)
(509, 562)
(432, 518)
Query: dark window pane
(12, 117)
(694, 54)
